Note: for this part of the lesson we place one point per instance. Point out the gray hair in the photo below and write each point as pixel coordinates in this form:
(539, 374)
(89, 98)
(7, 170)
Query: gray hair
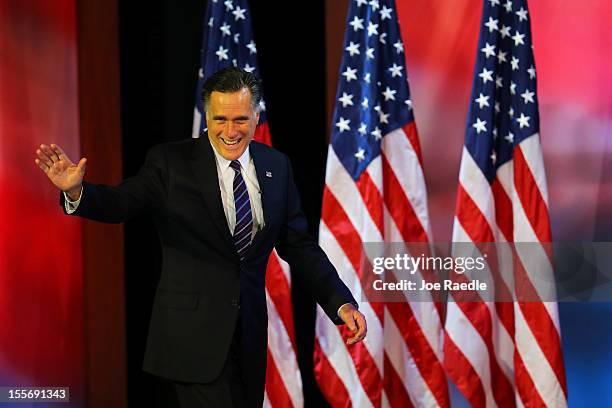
(232, 79)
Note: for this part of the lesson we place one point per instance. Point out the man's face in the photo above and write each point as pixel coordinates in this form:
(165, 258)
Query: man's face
(231, 122)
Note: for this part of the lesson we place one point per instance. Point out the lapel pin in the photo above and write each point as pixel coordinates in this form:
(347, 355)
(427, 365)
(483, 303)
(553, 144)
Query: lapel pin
(269, 174)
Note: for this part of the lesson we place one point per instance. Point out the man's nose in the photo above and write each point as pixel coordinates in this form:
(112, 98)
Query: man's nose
(231, 129)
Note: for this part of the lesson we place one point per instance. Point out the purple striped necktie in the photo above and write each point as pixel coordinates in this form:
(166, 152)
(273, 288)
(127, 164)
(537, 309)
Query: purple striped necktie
(244, 217)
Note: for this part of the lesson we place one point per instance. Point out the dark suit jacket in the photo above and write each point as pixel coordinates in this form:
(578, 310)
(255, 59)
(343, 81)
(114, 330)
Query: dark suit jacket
(203, 284)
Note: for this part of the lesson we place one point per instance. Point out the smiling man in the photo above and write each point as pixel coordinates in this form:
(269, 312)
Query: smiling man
(220, 204)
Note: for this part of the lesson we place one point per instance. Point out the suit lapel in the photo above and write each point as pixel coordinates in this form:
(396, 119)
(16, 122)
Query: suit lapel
(264, 178)
(204, 166)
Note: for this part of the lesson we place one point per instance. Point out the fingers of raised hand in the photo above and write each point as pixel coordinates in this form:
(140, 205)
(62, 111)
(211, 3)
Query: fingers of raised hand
(59, 152)
(49, 153)
(43, 157)
(41, 164)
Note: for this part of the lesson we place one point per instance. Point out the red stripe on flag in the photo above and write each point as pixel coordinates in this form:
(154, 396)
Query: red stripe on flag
(480, 317)
(262, 134)
(336, 219)
(531, 197)
(530, 397)
(426, 360)
(547, 337)
(372, 200)
(503, 210)
(411, 133)
(394, 387)
(330, 383)
(280, 294)
(472, 220)
(339, 224)
(463, 374)
(400, 208)
(275, 387)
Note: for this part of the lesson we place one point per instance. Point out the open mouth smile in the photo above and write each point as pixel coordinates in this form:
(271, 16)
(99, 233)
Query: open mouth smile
(231, 142)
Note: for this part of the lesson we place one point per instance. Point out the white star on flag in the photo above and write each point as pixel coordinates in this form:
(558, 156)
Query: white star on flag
(360, 155)
(385, 13)
(532, 72)
(504, 31)
(370, 53)
(389, 94)
(225, 29)
(365, 103)
(229, 5)
(239, 14)
(509, 137)
(508, 6)
(498, 82)
(518, 38)
(522, 13)
(357, 23)
(346, 99)
(350, 74)
(396, 70)
(486, 75)
(528, 96)
(514, 63)
(222, 53)
(343, 124)
(376, 133)
(353, 49)
(480, 125)
(489, 50)
(512, 88)
(249, 68)
(372, 29)
(383, 117)
(399, 47)
(482, 100)
(501, 56)
(523, 121)
(375, 5)
(492, 24)
(363, 128)
(251, 47)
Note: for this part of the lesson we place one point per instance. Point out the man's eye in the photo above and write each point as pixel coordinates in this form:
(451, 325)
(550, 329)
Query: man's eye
(221, 121)
(240, 122)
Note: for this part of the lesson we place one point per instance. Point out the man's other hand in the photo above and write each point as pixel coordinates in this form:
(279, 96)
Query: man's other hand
(355, 321)
(62, 172)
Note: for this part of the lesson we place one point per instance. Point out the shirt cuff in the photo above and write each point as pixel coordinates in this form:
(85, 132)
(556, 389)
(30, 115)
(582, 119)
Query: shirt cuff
(69, 205)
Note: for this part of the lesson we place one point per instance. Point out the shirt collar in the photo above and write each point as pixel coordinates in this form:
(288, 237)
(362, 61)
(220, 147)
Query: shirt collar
(224, 163)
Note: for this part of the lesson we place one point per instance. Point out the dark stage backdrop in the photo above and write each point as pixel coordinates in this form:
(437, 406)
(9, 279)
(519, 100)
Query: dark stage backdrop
(159, 58)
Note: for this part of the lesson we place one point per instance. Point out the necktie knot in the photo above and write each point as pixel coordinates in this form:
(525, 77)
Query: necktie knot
(235, 164)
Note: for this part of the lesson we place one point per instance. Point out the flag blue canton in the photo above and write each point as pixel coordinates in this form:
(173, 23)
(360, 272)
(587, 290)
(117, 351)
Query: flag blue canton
(373, 98)
(227, 41)
(503, 105)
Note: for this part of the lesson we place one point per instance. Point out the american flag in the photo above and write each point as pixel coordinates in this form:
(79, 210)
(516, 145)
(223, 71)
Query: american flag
(375, 192)
(228, 40)
(505, 354)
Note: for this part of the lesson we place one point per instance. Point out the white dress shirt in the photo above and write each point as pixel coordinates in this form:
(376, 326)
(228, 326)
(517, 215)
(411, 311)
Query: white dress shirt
(226, 186)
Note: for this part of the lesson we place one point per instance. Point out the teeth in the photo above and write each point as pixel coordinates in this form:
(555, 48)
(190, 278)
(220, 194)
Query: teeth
(227, 142)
